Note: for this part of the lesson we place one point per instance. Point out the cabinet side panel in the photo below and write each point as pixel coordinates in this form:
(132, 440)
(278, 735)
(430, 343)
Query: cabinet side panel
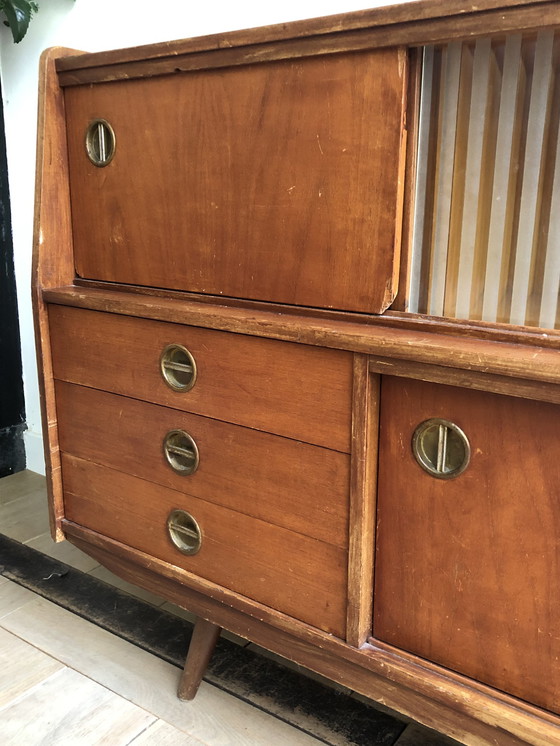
(53, 263)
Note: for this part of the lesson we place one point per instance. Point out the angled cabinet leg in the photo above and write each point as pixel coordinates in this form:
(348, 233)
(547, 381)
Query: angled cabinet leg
(203, 641)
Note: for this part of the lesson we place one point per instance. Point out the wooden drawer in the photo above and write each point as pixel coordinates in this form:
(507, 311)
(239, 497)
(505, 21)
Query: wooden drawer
(291, 573)
(276, 182)
(289, 389)
(467, 569)
(295, 485)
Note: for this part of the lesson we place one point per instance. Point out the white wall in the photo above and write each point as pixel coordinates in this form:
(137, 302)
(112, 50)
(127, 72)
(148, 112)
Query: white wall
(94, 25)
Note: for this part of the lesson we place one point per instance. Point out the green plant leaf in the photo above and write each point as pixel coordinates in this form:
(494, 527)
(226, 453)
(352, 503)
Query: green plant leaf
(18, 14)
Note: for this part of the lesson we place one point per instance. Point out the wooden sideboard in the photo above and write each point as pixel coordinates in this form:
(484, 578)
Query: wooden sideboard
(241, 415)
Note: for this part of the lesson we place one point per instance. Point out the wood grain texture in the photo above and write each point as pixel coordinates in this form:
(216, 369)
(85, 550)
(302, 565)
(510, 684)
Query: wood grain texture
(293, 390)
(294, 574)
(409, 177)
(480, 347)
(132, 300)
(294, 485)
(203, 642)
(363, 477)
(71, 704)
(52, 263)
(148, 682)
(469, 379)
(23, 667)
(413, 23)
(439, 699)
(276, 182)
(277, 576)
(466, 571)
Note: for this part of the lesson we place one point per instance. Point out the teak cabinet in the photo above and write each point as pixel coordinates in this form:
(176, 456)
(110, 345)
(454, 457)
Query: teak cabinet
(240, 413)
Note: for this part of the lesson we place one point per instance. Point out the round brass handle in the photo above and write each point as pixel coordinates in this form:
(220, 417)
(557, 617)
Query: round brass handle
(441, 448)
(184, 531)
(178, 367)
(100, 142)
(181, 452)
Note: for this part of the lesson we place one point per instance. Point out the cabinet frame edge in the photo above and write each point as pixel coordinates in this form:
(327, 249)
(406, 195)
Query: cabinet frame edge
(52, 260)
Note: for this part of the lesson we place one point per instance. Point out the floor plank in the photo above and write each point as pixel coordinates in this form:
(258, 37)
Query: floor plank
(69, 708)
(21, 667)
(12, 597)
(215, 717)
(15, 486)
(63, 551)
(25, 518)
(163, 734)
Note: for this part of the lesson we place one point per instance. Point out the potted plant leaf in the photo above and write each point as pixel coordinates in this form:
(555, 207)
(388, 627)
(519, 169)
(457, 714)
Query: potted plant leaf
(18, 14)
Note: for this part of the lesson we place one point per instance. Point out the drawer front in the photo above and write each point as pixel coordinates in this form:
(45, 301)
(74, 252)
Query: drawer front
(275, 182)
(294, 574)
(467, 571)
(289, 389)
(301, 487)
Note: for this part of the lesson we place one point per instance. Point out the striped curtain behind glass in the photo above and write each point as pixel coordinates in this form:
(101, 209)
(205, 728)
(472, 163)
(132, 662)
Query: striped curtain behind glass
(486, 241)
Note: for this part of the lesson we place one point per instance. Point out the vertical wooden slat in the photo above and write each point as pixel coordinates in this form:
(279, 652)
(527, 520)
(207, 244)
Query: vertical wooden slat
(451, 76)
(505, 175)
(431, 182)
(551, 284)
(409, 162)
(422, 170)
(479, 174)
(458, 182)
(486, 179)
(543, 238)
(532, 169)
(473, 177)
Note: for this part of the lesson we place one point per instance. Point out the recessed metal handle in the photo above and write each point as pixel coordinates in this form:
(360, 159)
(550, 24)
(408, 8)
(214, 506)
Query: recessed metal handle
(184, 531)
(178, 367)
(100, 142)
(181, 452)
(441, 448)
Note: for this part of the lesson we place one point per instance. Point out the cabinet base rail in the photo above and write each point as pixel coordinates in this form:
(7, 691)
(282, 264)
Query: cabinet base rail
(439, 699)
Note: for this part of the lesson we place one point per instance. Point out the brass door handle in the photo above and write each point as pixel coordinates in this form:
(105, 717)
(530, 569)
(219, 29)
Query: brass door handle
(441, 448)
(100, 142)
(181, 452)
(184, 531)
(178, 367)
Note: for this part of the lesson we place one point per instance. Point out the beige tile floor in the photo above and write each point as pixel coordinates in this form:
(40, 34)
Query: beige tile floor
(63, 680)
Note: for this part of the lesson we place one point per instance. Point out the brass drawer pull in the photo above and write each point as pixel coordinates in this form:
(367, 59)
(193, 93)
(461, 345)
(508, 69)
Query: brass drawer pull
(441, 448)
(178, 367)
(181, 452)
(184, 531)
(100, 142)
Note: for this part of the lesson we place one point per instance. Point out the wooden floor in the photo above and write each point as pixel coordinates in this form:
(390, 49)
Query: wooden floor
(63, 680)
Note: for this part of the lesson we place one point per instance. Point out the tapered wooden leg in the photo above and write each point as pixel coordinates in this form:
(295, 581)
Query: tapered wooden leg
(204, 638)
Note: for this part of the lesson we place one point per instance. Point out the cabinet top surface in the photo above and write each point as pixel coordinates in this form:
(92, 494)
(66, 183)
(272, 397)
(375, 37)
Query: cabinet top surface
(411, 23)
